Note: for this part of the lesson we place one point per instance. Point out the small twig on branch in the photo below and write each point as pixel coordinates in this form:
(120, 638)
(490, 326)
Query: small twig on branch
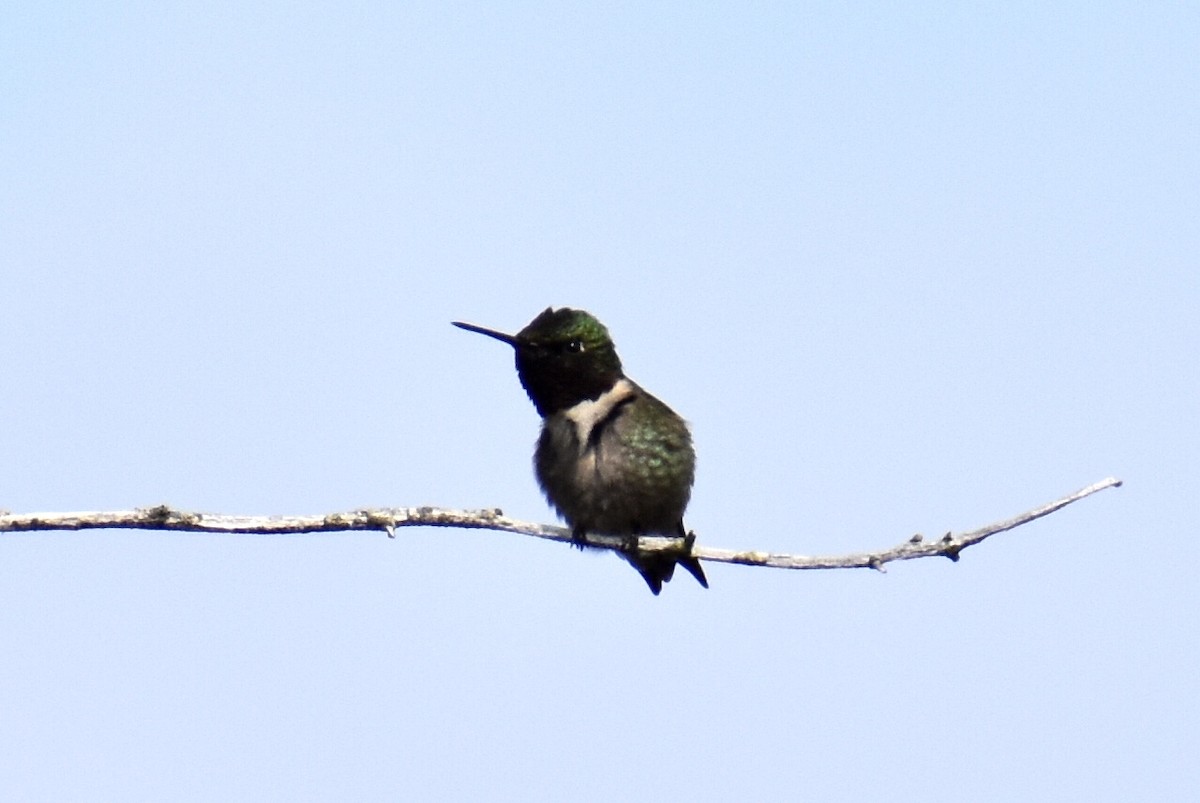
(162, 517)
(949, 545)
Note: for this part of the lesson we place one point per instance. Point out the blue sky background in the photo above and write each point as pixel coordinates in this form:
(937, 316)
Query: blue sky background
(905, 269)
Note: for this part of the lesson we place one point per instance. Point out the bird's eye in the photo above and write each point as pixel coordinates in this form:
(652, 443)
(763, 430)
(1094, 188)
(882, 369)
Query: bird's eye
(575, 346)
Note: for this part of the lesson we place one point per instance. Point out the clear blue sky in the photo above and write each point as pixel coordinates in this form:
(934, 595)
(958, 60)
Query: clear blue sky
(904, 269)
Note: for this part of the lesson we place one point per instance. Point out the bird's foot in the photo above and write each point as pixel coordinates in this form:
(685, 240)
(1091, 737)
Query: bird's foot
(579, 538)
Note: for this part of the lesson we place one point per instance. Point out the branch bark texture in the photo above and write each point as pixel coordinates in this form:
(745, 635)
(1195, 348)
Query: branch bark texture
(163, 517)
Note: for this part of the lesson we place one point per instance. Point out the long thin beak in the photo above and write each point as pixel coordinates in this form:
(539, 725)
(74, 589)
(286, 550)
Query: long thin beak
(470, 327)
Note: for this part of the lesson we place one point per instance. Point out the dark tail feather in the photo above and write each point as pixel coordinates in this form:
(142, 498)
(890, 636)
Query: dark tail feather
(689, 562)
(693, 567)
(656, 569)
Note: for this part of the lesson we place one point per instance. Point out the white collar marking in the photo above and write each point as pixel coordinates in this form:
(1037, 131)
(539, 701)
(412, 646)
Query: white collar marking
(586, 414)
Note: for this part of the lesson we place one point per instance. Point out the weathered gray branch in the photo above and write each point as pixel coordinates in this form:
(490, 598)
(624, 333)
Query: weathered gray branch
(387, 520)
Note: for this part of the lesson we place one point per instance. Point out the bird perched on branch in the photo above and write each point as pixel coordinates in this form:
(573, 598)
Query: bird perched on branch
(611, 458)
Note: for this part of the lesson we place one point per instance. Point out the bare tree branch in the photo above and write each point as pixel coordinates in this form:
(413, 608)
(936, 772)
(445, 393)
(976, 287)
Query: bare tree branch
(162, 517)
(949, 545)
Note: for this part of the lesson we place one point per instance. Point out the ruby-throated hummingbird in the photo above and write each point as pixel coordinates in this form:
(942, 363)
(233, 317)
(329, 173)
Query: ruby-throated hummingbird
(612, 459)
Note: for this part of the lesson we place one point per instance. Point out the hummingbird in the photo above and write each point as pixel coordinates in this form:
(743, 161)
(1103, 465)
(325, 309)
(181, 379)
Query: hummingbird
(611, 458)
